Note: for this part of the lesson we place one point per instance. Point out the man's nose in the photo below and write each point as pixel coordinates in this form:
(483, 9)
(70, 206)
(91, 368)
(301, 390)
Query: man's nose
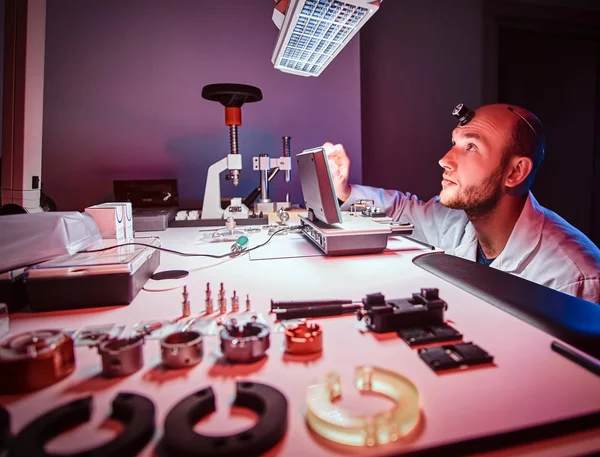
(447, 162)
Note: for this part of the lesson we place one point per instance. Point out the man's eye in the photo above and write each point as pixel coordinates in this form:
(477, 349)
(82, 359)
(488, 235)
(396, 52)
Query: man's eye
(471, 147)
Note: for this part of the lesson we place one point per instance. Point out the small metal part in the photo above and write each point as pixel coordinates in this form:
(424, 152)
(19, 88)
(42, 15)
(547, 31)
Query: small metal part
(122, 357)
(230, 223)
(383, 315)
(332, 422)
(148, 329)
(235, 303)
(181, 349)
(208, 303)
(463, 114)
(269, 404)
(135, 412)
(35, 360)
(244, 343)
(186, 308)
(304, 338)
(222, 300)
(248, 306)
(283, 215)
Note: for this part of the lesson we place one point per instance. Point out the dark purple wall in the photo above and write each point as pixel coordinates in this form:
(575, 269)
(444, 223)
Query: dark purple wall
(122, 96)
(418, 60)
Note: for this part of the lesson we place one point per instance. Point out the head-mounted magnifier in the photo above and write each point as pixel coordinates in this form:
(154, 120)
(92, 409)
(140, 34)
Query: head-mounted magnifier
(463, 114)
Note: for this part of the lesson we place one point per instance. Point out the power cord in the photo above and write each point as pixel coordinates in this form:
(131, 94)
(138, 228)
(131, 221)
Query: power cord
(191, 254)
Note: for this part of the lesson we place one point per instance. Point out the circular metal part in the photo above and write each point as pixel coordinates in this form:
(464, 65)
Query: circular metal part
(283, 215)
(181, 349)
(35, 360)
(268, 403)
(244, 343)
(135, 412)
(463, 114)
(339, 425)
(122, 357)
(304, 338)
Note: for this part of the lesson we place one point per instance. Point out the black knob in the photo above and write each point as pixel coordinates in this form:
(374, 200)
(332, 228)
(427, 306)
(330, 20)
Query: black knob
(231, 95)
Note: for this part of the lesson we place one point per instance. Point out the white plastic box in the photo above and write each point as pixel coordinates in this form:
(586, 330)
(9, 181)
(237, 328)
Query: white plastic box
(110, 220)
(127, 216)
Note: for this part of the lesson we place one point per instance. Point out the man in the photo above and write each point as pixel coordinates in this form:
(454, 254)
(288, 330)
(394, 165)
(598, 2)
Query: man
(485, 211)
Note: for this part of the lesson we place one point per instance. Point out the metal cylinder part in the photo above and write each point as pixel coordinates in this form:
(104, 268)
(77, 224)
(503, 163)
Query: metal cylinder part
(181, 349)
(122, 357)
(304, 338)
(286, 153)
(244, 343)
(264, 184)
(36, 359)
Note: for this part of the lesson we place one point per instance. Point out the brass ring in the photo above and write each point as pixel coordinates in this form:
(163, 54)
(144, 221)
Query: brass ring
(304, 338)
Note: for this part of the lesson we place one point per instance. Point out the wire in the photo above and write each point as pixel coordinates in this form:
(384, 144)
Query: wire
(192, 254)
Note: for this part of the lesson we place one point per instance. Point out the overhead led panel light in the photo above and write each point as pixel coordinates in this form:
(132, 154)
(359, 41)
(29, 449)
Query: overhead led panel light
(313, 32)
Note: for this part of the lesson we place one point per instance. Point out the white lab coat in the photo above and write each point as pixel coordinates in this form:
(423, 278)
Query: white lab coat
(543, 247)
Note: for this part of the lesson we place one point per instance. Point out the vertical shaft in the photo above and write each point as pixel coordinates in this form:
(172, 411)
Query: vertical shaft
(233, 149)
(264, 184)
(286, 153)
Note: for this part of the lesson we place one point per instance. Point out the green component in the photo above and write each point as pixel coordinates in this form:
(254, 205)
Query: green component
(240, 244)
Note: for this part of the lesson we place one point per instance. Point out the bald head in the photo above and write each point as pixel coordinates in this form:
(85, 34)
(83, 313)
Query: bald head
(524, 134)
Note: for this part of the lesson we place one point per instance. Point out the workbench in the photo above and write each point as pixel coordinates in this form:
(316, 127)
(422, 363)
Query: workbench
(527, 384)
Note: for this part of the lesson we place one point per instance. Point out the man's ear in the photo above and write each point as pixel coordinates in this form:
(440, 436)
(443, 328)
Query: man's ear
(519, 168)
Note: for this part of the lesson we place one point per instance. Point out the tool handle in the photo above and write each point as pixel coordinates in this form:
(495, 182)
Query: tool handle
(302, 303)
(299, 313)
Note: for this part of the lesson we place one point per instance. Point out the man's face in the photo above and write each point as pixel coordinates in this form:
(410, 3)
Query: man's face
(474, 168)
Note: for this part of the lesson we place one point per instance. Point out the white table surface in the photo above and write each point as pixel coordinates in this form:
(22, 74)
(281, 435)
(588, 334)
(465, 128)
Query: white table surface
(528, 383)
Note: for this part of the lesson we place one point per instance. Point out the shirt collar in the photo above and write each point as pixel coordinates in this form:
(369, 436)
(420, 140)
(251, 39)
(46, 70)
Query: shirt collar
(524, 238)
(522, 241)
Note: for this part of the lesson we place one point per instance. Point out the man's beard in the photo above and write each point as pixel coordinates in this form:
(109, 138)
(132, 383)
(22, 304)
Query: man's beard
(478, 200)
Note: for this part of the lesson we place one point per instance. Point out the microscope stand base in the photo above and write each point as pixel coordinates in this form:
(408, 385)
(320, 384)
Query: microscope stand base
(218, 222)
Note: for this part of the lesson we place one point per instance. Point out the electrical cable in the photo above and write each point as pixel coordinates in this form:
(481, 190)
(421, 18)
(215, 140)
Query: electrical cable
(191, 254)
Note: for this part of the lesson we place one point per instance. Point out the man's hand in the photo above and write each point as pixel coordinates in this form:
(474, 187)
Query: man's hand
(339, 165)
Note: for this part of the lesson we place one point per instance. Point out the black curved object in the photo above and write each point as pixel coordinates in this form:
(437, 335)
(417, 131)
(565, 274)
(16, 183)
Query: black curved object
(180, 439)
(231, 95)
(569, 318)
(4, 428)
(136, 412)
(12, 208)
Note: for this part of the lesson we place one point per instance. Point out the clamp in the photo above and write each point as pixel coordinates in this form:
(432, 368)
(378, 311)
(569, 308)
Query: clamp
(245, 343)
(268, 403)
(134, 411)
(181, 349)
(336, 424)
(34, 360)
(304, 338)
(121, 357)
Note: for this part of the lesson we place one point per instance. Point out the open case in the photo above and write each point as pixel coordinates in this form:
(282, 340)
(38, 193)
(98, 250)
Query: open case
(92, 279)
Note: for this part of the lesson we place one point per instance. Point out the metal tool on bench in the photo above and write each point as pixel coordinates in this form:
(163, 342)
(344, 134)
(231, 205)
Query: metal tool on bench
(334, 232)
(36, 359)
(233, 97)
